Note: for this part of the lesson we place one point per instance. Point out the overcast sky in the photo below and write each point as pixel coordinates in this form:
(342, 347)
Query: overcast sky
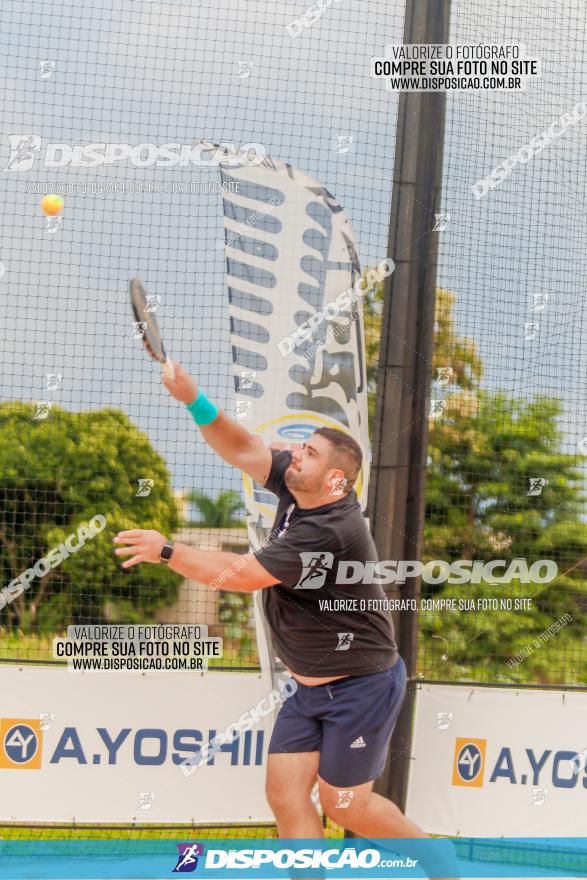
(149, 72)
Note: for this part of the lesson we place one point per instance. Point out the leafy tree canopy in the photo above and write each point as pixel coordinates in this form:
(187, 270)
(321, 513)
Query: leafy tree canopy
(485, 451)
(58, 473)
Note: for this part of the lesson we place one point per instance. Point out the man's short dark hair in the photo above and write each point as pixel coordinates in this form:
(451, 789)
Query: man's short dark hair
(346, 454)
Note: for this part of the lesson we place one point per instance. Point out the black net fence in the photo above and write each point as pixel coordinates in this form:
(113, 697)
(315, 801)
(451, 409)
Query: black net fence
(105, 106)
(88, 431)
(508, 422)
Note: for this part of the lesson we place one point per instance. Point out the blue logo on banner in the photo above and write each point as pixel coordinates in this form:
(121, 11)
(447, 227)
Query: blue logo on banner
(21, 743)
(469, 762)
(297, 431)
(187, 860)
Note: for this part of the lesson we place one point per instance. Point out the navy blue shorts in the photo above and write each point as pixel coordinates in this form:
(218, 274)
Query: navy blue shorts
(349, 721)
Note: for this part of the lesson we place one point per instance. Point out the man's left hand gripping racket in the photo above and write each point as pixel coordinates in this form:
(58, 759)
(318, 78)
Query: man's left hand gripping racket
(151, 334)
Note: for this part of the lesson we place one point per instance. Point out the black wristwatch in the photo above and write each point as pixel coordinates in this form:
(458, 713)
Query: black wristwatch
(166, 551)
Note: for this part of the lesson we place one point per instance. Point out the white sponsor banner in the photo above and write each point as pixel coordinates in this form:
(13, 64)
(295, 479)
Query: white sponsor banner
(291, 263)
(488, 762)
(290, 252)
(109, 747)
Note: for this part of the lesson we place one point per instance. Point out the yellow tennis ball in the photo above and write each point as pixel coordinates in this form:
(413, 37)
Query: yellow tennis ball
(52, 205)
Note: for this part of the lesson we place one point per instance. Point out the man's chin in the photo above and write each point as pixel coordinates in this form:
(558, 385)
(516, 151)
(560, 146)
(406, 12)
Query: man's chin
(291, 477)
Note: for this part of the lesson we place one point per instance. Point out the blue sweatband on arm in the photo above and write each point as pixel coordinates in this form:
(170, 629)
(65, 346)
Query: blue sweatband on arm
(202, 409)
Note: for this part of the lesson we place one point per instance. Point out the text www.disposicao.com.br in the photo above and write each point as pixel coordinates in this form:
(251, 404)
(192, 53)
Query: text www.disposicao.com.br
(105, 664)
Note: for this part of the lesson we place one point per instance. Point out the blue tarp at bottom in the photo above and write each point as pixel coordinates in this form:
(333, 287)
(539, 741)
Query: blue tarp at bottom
(117, 859)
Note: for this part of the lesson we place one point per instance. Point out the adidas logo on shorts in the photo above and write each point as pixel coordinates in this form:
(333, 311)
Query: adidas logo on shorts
(359, 743)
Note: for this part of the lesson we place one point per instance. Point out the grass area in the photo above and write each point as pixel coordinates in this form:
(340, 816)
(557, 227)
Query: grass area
(185, 832)
(166, 832)
(18, 646)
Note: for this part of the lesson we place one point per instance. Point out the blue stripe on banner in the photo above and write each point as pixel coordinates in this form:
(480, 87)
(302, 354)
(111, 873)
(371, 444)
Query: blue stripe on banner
(257, 218)
(254, 858)
(252, 274)
(254, 246)
(248, 330)
(249, 302)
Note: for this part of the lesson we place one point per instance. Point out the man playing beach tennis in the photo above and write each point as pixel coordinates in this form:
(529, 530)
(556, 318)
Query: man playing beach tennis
(331, 635)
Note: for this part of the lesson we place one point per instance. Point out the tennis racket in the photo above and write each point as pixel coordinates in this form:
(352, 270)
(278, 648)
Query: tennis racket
(150, 329)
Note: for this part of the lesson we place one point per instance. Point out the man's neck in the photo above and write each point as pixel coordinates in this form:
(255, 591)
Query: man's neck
(307, 501)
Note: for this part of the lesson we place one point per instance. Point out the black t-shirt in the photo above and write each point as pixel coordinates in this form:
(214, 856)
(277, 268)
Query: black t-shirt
(318, 626)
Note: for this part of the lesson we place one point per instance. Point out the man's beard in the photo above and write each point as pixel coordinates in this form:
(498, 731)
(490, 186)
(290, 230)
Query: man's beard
(298, 482)
(293, 478)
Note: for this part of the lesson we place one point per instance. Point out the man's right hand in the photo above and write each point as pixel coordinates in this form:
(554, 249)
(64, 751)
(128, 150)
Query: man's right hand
(227, 437)
(182, 387)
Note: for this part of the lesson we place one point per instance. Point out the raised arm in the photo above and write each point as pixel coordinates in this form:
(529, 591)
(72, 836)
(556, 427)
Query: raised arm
(231, 441)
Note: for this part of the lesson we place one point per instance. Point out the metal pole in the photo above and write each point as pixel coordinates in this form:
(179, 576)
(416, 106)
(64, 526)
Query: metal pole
(396, 499)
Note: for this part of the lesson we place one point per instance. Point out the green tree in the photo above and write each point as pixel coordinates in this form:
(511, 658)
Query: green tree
(483, 450)
(236, 616)
(217, 513)
(372, 315)
(478, 507)
(58, 473)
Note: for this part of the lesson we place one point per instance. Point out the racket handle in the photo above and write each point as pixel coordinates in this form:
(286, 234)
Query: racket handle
(168, 370)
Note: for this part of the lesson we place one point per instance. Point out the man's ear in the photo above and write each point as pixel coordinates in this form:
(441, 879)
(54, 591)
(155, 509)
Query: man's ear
(337, 482)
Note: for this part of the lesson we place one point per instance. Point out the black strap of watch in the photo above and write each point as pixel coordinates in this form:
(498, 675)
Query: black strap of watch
(167, 551)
